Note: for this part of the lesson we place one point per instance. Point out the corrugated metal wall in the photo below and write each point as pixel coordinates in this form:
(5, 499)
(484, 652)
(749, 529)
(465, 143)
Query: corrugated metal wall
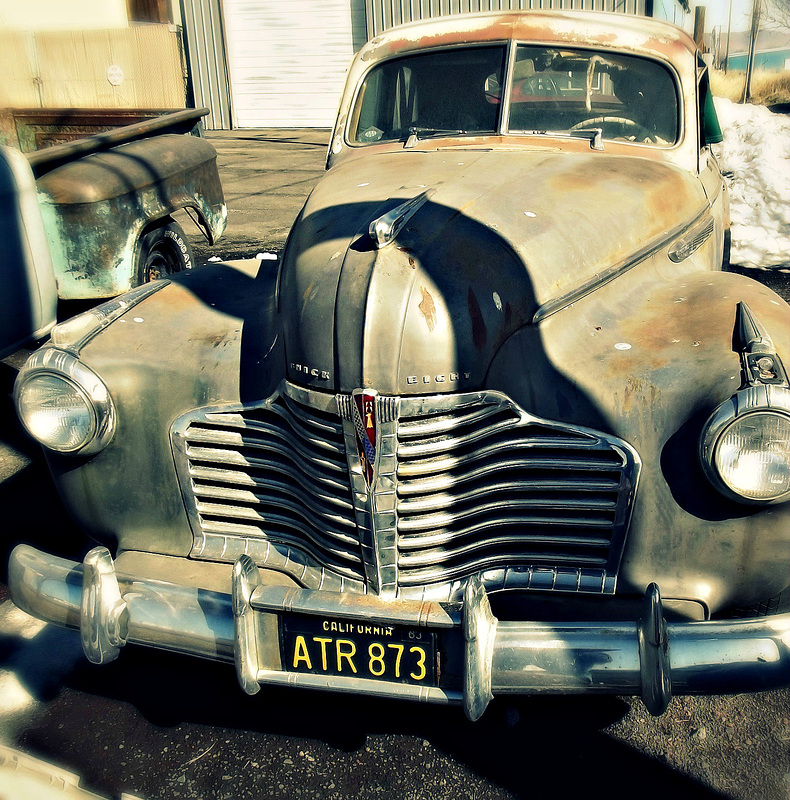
(384, 14)
(205, 45)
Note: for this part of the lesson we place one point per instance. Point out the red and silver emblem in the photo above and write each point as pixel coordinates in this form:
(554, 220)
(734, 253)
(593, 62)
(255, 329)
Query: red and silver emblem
(363, 411)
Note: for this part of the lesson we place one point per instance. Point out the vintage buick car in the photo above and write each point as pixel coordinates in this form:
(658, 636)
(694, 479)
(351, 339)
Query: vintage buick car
(498, 423)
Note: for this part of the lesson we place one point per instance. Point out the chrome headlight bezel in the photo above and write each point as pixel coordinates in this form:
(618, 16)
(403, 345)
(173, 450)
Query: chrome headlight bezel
(766, 399)
(50, 361)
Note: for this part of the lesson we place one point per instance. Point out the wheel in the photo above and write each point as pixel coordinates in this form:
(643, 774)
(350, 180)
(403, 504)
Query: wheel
(162, 251)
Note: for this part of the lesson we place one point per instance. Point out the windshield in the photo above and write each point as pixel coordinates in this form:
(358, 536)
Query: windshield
(430, 94)
(552, 90)
(559, 90)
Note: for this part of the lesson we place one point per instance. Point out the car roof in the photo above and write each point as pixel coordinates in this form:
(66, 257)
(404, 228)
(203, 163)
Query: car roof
(613, 30)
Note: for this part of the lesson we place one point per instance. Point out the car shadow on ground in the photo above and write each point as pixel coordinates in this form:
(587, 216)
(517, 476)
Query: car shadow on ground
(527, 747)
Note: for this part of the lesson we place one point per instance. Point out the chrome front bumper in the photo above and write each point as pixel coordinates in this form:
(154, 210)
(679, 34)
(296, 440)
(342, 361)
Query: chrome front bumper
(649, 657)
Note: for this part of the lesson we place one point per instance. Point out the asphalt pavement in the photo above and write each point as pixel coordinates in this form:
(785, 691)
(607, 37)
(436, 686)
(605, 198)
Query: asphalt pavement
(164, 726)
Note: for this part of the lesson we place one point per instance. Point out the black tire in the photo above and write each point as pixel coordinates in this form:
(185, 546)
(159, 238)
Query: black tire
(725, 261)
(162, 251)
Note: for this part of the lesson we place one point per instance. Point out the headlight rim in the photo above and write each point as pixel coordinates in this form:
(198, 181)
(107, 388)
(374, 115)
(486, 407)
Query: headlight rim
(68, 368)
(745, 402)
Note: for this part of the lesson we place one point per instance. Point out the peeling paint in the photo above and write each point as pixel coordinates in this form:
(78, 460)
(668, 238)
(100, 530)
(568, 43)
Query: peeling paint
(428, 308)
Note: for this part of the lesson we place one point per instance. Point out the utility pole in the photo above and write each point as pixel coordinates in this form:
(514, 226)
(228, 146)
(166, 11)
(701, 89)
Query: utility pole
(699, 27)
(747, 86)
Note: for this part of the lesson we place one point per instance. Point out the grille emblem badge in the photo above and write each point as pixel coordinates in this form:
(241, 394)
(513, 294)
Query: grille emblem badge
(364, 415)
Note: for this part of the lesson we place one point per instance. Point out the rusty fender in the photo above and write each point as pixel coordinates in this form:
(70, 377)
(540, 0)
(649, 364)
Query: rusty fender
(101, 204)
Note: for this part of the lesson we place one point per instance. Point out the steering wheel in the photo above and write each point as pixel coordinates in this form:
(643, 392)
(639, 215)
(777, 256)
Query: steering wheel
(624, 121)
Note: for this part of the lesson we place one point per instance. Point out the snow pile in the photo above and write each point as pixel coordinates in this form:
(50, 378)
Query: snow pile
(756, 148)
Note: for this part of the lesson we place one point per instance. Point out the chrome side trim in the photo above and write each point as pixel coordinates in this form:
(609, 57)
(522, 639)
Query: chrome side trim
(75, 333)
(602, 278)
(688, 244)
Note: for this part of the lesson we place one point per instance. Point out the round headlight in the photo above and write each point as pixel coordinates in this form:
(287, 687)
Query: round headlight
(745, 445)
(752, 456)
(56, 412)
(63, 404)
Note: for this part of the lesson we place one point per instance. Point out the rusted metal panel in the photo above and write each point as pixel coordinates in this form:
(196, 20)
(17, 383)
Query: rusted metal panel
(178, 122)
(31, 129)
(529, 261)
(100, 204)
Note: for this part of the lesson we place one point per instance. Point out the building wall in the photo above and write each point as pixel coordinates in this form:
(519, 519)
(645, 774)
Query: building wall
(137, 67)
(37, 15)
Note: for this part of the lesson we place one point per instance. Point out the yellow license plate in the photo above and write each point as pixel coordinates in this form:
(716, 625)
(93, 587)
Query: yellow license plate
(378, 651)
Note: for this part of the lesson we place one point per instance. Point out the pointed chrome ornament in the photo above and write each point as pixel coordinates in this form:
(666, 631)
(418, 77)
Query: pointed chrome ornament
(384, 229)
(759, 360)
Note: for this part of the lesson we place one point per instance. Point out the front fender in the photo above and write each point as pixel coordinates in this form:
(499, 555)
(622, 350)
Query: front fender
(649, 360)
(95, 208)
(207, 338)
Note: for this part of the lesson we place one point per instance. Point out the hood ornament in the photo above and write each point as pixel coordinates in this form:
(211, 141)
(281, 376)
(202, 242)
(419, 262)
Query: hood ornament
(384, 229)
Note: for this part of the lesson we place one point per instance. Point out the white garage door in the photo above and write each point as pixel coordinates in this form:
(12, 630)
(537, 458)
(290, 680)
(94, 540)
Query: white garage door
(287, 61)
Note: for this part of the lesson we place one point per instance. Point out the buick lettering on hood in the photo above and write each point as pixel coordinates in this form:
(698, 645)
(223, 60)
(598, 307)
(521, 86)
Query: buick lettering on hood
(499, 422)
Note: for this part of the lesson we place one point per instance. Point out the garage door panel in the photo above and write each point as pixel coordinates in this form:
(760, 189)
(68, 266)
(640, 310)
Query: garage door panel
(287, 61)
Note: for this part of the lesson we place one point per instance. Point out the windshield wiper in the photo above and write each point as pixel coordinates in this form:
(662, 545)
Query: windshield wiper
(593, 135)
(416, 133)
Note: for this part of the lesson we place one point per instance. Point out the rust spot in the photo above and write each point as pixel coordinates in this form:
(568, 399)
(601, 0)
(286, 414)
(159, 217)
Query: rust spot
(479, 332)
(428, 308)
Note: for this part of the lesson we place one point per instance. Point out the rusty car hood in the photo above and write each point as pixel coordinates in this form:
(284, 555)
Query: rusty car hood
(503, 234)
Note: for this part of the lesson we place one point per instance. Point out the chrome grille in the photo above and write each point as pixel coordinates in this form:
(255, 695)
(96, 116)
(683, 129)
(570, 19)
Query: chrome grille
(478, 486)
(271, 481)
(490, 488)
